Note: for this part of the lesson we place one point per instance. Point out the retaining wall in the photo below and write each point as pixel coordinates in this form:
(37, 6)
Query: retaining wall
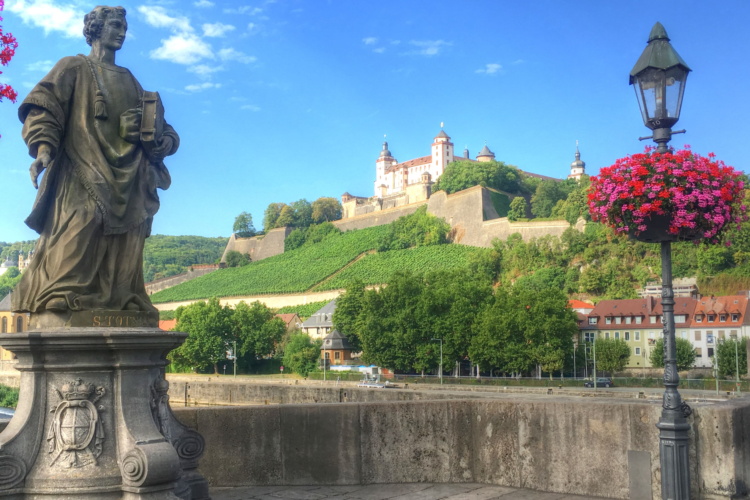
(582, 446)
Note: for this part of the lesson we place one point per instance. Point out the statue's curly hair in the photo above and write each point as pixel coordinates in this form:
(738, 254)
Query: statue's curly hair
(94, 21)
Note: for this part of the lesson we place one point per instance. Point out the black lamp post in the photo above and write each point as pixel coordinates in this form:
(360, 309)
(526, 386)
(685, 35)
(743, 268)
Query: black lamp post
(660, 76)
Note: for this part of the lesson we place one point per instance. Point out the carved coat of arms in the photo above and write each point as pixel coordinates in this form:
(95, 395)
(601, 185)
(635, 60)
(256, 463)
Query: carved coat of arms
(75, 435)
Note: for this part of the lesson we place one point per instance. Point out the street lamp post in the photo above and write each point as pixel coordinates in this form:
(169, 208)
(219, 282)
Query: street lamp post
(441, 360)
(659, 76)
(736, 340)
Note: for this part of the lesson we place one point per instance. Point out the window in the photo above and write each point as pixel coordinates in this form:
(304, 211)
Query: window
(652, 335)
(638, 320)
(593, 321)
(710, 352)
(722, 318)
(637, 335)
(588, 336)
(606, 335)
(680, 318)
(711, 318)
(627, 335)
(733, 333)
(19, 324)
(618, 320)
(697, 335)
(653, 319)
(337, 355)
(628, 319)
(608, 320)
(699, 318)
(699, 351)
(617, 335)
(328, 355)
(637, 351)
(735, 317)
(684, 334)
(721, 334)
(4, 328)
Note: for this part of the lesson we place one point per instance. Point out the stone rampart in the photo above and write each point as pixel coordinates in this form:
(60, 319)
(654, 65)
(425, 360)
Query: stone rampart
(582, 446)
(259, 247)
(192, 273)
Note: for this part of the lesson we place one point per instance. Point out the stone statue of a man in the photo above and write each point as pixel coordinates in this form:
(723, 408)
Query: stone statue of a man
(94, 207)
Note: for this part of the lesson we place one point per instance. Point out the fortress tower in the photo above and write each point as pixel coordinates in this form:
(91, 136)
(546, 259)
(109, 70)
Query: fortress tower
(578, 167)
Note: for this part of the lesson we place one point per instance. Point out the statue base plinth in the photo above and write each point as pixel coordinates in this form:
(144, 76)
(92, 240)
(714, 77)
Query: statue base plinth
(49, 320)
(93, 419)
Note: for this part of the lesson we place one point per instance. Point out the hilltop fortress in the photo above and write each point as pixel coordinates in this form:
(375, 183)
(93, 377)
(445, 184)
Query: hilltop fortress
(402, 187)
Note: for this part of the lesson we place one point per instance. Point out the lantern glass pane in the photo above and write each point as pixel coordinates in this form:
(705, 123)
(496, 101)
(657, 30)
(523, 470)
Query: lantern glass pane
(675, 87)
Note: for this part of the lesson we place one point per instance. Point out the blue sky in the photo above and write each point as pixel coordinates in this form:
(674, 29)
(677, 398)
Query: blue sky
(281, 100)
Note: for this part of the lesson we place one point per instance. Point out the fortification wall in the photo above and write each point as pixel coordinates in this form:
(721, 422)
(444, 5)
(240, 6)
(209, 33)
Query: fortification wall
(164, 283)
(522, 442)
(377, 218)
(259, 247)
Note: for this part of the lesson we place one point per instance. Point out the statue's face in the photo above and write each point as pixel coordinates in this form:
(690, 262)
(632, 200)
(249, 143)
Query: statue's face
(113, 33)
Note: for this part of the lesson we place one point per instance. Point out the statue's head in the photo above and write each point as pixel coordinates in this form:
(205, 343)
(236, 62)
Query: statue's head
(94, 21)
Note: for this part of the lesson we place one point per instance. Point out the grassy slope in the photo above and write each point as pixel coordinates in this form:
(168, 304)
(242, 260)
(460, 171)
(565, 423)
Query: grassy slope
(323, 266)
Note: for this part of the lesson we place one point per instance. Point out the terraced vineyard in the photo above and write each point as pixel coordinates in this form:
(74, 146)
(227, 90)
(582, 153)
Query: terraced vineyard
(377, 268)
(294, 271)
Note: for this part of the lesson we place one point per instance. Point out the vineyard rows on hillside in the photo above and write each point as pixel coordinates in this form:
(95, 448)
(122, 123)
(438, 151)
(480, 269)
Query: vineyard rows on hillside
(377, 268)
(294, 271)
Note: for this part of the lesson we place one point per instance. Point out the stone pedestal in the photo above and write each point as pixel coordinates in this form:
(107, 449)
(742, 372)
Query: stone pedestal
(93, 419)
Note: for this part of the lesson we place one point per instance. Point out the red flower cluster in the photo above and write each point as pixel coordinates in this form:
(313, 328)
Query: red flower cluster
(8, 46)
(700, 195)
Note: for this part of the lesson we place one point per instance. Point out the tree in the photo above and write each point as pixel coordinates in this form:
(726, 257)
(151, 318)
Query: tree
(207, 325)
(243, 225)
(302, 213)
(256, 330)
(286, 217)
(8, 46)
(237, 259)
(301, 354)
(517, 209)
(349, 317)
(464, 174)
(326, 210)
(611, 354)
(729, 354)
(547, 194)
(9, 280)
(415, 230)
(685, 354)
(271, 216)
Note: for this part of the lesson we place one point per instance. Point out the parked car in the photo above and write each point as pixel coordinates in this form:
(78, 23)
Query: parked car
(600, 382)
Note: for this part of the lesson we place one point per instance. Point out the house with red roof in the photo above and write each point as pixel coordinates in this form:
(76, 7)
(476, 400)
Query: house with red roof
(717, 319)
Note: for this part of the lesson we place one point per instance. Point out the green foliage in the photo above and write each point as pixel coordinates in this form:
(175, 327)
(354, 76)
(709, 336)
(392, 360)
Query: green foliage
(303, 310)
(729, 354)
(301, 354)
(271, 216)
(237, 259)
(214, 329)
(576, 203)
(167, 315)
(517, 209)
(326, 210)
(8, 396)
(415, 230)
(165, 256)
(500, 202)
(611, 355)
(243, 225)
(310, 235)
(463, 174)
(546, 196)
(8, 281)
(10, 251)
(685, 354)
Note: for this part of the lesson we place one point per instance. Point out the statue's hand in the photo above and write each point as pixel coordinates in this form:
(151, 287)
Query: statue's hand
(161, 149)
(42, 161)
(130, 125)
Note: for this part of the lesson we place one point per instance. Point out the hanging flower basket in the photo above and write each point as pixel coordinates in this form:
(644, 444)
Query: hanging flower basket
(674, 196)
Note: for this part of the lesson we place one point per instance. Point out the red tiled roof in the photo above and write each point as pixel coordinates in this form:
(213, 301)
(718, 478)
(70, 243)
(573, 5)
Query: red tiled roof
(647, 306)
(579, 304)
(410, 163)
(288, 318)
(728, 305)
(167, 324)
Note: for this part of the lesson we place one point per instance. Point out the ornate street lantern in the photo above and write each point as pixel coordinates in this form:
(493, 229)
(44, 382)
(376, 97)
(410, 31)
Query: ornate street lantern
(659, 77)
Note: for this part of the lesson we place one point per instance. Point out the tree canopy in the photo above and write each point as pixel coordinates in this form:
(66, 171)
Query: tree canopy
(685, 354)
(243, 225)
(463, 174)
(611, 355)
(415, 230)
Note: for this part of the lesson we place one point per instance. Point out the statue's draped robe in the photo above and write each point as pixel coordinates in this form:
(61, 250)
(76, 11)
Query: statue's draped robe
(96, 201)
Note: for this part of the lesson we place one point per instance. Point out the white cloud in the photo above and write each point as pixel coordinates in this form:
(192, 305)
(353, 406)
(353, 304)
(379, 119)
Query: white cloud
(203, 4)
(202, 86)
(245, 9)
(428, 47)
(379, 50)
(157, 17)
(51, 16)
(370, 40)
(250, 107)
(43, 66)
(184, 48)
(490, 69)
(204, 70)
(216, 29)
(231, 54)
